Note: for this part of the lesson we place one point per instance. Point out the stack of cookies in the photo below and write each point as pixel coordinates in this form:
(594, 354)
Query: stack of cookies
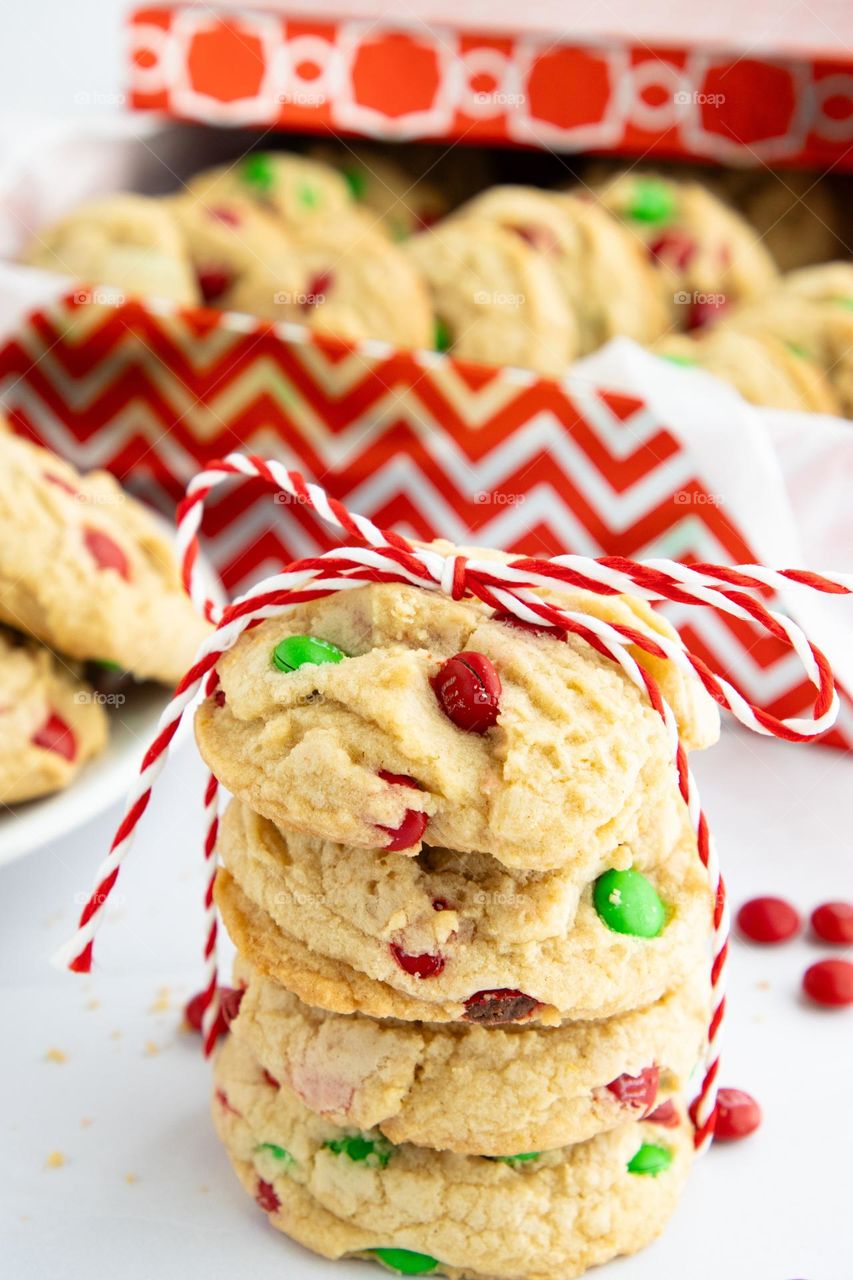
(472, 931)
(90, 599)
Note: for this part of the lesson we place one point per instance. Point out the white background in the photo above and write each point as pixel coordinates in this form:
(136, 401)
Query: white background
(145, 1191)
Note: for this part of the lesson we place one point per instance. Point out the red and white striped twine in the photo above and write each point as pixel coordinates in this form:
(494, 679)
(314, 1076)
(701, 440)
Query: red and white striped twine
(385, 556)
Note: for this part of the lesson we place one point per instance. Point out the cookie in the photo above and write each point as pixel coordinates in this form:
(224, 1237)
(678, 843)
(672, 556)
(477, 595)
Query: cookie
(764, 370)
(495, 298)
(86, 569)
(228, 241)
(51, 722)
(473, 1089)
(708, 256)
(604, 275)
(828, 282)
(401, 202)
(342, 1192)
(127, 241)
(357, 286)
(819, 330)
(576, 949)
(294, 189)
(375, 749)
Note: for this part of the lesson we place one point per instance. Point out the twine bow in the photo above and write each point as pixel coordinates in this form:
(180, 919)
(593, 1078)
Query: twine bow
(384, 556)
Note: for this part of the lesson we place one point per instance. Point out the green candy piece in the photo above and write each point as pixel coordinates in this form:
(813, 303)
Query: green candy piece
(373, 1151)
(628, 903)
(650, 1160)
(108, 664)
(404, 1262)
(294, 652)
(685, 360)
(520, 1159)
(442, 340)
(280, 1153)
(257, 171)
(844, 302)
(309, 197)
(651, 202)
(797, 350)
(357, 183)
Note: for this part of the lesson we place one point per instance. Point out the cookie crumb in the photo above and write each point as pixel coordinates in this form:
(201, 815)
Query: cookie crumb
(86, 1122)
(55, 1160)
(131, 1178)
(93, 1004)
(55, 1055)
(162, 1001)
(151, 1049)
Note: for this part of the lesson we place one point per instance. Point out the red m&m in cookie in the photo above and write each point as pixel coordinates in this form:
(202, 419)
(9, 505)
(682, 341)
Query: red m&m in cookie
(468, 690)
(414, 821)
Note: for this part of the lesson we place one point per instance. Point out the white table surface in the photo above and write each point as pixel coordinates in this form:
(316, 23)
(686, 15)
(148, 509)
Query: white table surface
(145, 1190)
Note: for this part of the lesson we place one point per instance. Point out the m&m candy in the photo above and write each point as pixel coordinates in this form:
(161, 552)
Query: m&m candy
(628, 903)
(768, 920)
(650, 1160)
(405, 1262)
(829, 982)
(638, 1091)
(414, 821)
(738, 1115)
(294, 652)
(833, 922)
(468, 690)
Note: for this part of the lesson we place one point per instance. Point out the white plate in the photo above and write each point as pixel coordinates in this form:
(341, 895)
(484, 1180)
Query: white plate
(101, 783)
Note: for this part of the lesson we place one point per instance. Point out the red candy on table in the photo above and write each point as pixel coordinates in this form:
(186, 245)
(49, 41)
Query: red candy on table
(468, 690)
(424, 966)
(414, 821)
(738, 1115)
(57, 736)
(229, 1004)
(830, 982)
(266, 1197)
(106, 553)
(637, 1091)
(213, 281)
(490, 1008)
(768, 920)
(833, 922)
(665, 1115)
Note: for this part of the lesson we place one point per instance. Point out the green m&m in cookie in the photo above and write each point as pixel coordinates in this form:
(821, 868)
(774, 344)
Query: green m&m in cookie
(257, 171)
(651, 201)
(362, 1150)
(278, 1153)
(406, 1263)
(650, 1160)
(294, 652)
(628, 903)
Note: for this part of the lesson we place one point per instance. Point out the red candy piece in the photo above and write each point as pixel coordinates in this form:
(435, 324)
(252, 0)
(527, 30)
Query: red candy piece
(270, 1080)
(222, 1099)
(194, 1012)
(535, 628)
(414, 822)
(219, 698)
(673, 247)
(768, 920)
(266, 1197)
(637, 1092)
(425, 966)
(222, 213)
(55, 735)
(829, 982)
(493, 1007)
(230, 999)
(833, 922)
(213, 281)
(539, 237)
(702, 314)
(441, 904)
(106, 553)
(738, 1115)
(468, 690)
(61, 484)
(317, 289)
(665, 1115)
